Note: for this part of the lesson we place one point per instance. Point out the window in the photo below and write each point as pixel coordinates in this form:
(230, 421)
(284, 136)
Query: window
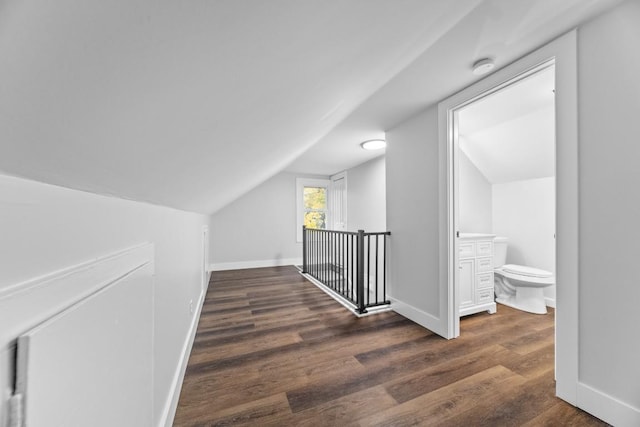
(312, 199)
(315, 207)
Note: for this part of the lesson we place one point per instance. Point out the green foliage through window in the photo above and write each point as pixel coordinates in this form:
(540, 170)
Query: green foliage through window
(315, 207)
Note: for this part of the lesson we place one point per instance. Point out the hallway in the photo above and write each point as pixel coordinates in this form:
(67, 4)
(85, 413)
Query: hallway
(273, 349)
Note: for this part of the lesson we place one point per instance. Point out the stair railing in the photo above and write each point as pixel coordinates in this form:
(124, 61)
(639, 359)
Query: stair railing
(351, 264)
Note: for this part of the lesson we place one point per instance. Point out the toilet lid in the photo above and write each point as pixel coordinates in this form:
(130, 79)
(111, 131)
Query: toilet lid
(526, 271)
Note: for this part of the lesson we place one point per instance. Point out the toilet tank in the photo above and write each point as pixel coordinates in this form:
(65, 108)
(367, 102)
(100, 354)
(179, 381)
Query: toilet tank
(499, 251)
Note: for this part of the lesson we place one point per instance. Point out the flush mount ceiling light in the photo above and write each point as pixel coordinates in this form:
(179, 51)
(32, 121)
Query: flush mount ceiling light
(374, 144)
(483, 66)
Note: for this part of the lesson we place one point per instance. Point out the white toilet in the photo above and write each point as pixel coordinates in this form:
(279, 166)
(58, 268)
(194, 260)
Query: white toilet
(516, 285)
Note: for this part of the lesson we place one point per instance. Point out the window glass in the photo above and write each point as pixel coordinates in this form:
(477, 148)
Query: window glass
(315, 207)
(312, 204)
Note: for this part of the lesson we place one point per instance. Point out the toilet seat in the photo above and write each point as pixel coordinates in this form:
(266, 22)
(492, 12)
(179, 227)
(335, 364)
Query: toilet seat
(524, 280)
(522, 270)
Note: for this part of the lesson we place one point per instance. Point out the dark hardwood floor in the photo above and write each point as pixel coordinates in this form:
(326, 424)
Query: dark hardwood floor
(274, 350)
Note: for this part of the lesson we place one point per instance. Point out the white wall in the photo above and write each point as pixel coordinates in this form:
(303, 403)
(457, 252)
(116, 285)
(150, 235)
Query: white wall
(603, 376)
(596, 346)
(475, 194)
(45, 228)
(609, 103)
(524, 212)
(413, 218)
(366, 196)
(259, 228)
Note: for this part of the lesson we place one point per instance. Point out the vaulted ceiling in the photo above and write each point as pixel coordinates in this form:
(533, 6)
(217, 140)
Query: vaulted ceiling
(510, 135)
(190, 104)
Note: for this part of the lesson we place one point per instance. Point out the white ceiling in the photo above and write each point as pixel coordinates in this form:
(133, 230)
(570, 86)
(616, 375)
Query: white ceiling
(192, 103)
(510, 135)
(503, 30)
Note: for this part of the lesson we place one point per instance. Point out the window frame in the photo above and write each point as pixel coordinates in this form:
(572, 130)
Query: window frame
(301, 183)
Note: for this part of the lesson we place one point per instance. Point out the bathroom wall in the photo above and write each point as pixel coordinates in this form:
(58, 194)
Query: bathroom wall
(475, 198)
(524, 212)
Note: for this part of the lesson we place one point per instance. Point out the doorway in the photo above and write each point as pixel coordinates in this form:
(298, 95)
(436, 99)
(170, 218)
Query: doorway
(504, 181)
(468, 108)
(563, 53)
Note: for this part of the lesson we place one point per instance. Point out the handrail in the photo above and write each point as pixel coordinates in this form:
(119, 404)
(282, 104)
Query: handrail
(351, 233)
(342, 261)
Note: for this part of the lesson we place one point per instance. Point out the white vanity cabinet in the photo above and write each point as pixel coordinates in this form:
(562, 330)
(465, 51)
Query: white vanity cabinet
(476, 273)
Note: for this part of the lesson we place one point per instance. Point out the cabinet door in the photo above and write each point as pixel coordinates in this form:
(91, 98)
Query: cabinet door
(467, 285)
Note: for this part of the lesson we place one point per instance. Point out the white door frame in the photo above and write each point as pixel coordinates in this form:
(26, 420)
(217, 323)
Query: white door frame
(339, 212)
(454, 149)
(564, 52)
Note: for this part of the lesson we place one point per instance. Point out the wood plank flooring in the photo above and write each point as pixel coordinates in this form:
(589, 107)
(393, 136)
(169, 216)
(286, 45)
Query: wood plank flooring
(274, 350)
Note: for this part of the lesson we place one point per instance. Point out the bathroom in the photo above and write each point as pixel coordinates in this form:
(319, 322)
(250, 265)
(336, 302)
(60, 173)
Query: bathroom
(506, 176)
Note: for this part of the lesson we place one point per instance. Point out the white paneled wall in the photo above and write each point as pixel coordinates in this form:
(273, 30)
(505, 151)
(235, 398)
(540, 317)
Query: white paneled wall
(45, 229)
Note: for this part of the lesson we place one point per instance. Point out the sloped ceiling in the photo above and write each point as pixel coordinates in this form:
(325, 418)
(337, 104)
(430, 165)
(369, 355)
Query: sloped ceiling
(190, 104)
(503, 30)
(510, 135)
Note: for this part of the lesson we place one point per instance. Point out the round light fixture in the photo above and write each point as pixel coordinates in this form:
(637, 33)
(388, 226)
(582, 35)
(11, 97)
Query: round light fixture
(483, 66)
(374, 144)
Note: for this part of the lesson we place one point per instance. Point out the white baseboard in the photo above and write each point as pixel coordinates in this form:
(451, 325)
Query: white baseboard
(550, 302)
(420, 317)
(331, 293)
(607, 408)
(240, 265)
(346, 304)
(171, 405)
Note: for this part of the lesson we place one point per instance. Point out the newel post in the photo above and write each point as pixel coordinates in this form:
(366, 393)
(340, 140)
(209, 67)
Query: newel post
(304, 249)
(360, 272)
